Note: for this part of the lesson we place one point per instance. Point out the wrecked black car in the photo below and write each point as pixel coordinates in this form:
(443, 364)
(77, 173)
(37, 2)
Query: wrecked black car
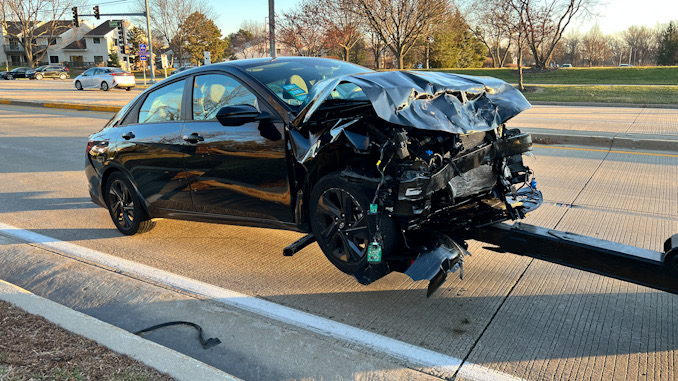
(387, 171)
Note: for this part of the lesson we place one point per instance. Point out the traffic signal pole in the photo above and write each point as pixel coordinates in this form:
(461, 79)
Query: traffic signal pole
(98, 14)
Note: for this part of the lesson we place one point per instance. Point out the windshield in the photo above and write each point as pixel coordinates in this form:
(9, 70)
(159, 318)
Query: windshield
(291, 80)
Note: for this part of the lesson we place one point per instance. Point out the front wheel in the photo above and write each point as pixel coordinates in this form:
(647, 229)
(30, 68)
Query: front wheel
(62, 76)
(124, 206)
(104, 86)
(10, 76)
(128, 89)
(38, 77)
(341, 225)
(78, 85)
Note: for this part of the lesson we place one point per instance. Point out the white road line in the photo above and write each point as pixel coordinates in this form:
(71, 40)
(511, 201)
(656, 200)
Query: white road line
(411, 354)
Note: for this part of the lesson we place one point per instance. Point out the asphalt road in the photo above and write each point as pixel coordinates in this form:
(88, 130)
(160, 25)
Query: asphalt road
(515, 315)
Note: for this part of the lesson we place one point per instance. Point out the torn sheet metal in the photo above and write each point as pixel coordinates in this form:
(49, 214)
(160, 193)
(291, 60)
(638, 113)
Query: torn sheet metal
(445, 102)
(434, 264)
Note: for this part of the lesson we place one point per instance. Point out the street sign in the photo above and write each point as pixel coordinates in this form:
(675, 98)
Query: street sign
(142, 48)
(143, 57)
(208, 59)
(163, 59)
(114, 23)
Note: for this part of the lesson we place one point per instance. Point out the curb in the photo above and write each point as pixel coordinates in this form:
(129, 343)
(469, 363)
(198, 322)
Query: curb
(608, 142)
(154, 355)
(68, 106)
(588, 104)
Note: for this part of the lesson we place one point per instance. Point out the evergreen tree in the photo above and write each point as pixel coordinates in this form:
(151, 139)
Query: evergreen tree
(113, 60)
(667, 55)
(202, 34)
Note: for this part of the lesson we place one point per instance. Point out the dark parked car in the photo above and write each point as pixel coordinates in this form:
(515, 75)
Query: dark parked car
(49, 71)
(19, 72)
(389, 171)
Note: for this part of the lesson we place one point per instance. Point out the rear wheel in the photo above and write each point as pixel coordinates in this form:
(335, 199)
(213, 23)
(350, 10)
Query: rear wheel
(124, 206)
(78, 85)
(128, 89)
(104, 86)
(339, 220)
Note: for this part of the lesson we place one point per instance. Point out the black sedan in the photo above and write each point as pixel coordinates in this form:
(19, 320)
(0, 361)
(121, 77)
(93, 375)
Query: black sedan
(49, 71)
(19, 72)
(388, 171)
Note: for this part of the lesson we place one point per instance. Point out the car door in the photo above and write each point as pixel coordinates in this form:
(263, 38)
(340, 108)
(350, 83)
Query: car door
(238, 170)
(86, 77)
(150, 148)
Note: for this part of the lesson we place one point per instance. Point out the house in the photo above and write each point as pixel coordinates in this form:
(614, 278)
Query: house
(51, 35)
(84, 46)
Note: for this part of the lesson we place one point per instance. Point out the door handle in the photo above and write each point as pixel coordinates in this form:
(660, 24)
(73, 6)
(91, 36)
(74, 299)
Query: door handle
(128, 135)
(194, 138)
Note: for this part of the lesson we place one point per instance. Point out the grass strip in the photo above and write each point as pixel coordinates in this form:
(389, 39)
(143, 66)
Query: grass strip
(651, 75)
(604, 94)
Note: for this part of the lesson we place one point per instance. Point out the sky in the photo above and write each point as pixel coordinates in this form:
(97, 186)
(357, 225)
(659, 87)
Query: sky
(613, 15)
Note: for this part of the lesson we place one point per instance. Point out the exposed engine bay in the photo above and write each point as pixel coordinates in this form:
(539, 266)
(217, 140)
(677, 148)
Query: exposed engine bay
(434, 155)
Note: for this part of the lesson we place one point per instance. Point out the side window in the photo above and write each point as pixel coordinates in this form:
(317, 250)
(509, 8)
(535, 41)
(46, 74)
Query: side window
(211, 92)
(89, 72)
(162, 105)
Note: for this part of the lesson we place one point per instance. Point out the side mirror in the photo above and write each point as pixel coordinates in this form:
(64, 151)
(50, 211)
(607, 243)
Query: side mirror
(239, 114)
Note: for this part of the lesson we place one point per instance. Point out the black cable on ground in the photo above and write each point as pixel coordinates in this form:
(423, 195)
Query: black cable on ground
(209, 343)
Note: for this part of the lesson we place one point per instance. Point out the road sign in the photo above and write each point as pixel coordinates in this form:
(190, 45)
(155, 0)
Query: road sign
(142, 48)
(143, 57)
(208, 59)
(114, 23)
(163, 59)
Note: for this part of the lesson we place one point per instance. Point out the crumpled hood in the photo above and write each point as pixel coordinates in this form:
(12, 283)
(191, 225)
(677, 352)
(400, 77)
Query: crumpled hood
(453, 103)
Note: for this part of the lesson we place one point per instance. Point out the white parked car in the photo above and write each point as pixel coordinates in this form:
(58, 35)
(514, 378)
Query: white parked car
(105, 78)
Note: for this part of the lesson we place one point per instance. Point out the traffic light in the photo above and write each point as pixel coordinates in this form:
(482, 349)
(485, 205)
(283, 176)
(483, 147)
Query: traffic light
(76, 21)
(121, 35)
(97, 15)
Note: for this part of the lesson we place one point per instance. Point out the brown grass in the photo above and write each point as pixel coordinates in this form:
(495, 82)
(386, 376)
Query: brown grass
(32, 348)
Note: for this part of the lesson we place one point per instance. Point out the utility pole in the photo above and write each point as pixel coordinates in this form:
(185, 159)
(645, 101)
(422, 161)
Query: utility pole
(271, 25)
(150, 44)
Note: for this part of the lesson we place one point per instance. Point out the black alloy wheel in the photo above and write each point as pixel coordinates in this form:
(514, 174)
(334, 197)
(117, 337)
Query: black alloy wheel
(124, 206)
(341, 225)
(78, 85)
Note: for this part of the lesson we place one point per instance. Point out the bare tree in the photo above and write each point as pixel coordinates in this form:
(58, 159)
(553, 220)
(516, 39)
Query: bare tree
(249, 41)
(344, 29)
(400, 24)
(495, 26)
(167, 17)
(544, 22)
(24, 21)
(642, 44)
(303, 28)
(594, 46)
(617, 49)
(572, 43)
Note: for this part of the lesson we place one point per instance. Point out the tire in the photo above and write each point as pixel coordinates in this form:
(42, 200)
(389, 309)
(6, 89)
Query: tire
(78, 85)
(10, 77)
(340, 222)
(62, 76)
(128, 89)
(38, 77)
(104, 86)
(124, 206)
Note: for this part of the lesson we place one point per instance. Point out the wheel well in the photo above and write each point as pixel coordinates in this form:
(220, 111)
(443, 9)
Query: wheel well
(104, 179)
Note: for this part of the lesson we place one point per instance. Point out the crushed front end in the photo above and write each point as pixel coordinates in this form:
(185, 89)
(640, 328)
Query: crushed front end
(434, 153)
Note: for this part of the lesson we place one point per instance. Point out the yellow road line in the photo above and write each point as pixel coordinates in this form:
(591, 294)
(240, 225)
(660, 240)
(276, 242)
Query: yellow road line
(607, 150)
